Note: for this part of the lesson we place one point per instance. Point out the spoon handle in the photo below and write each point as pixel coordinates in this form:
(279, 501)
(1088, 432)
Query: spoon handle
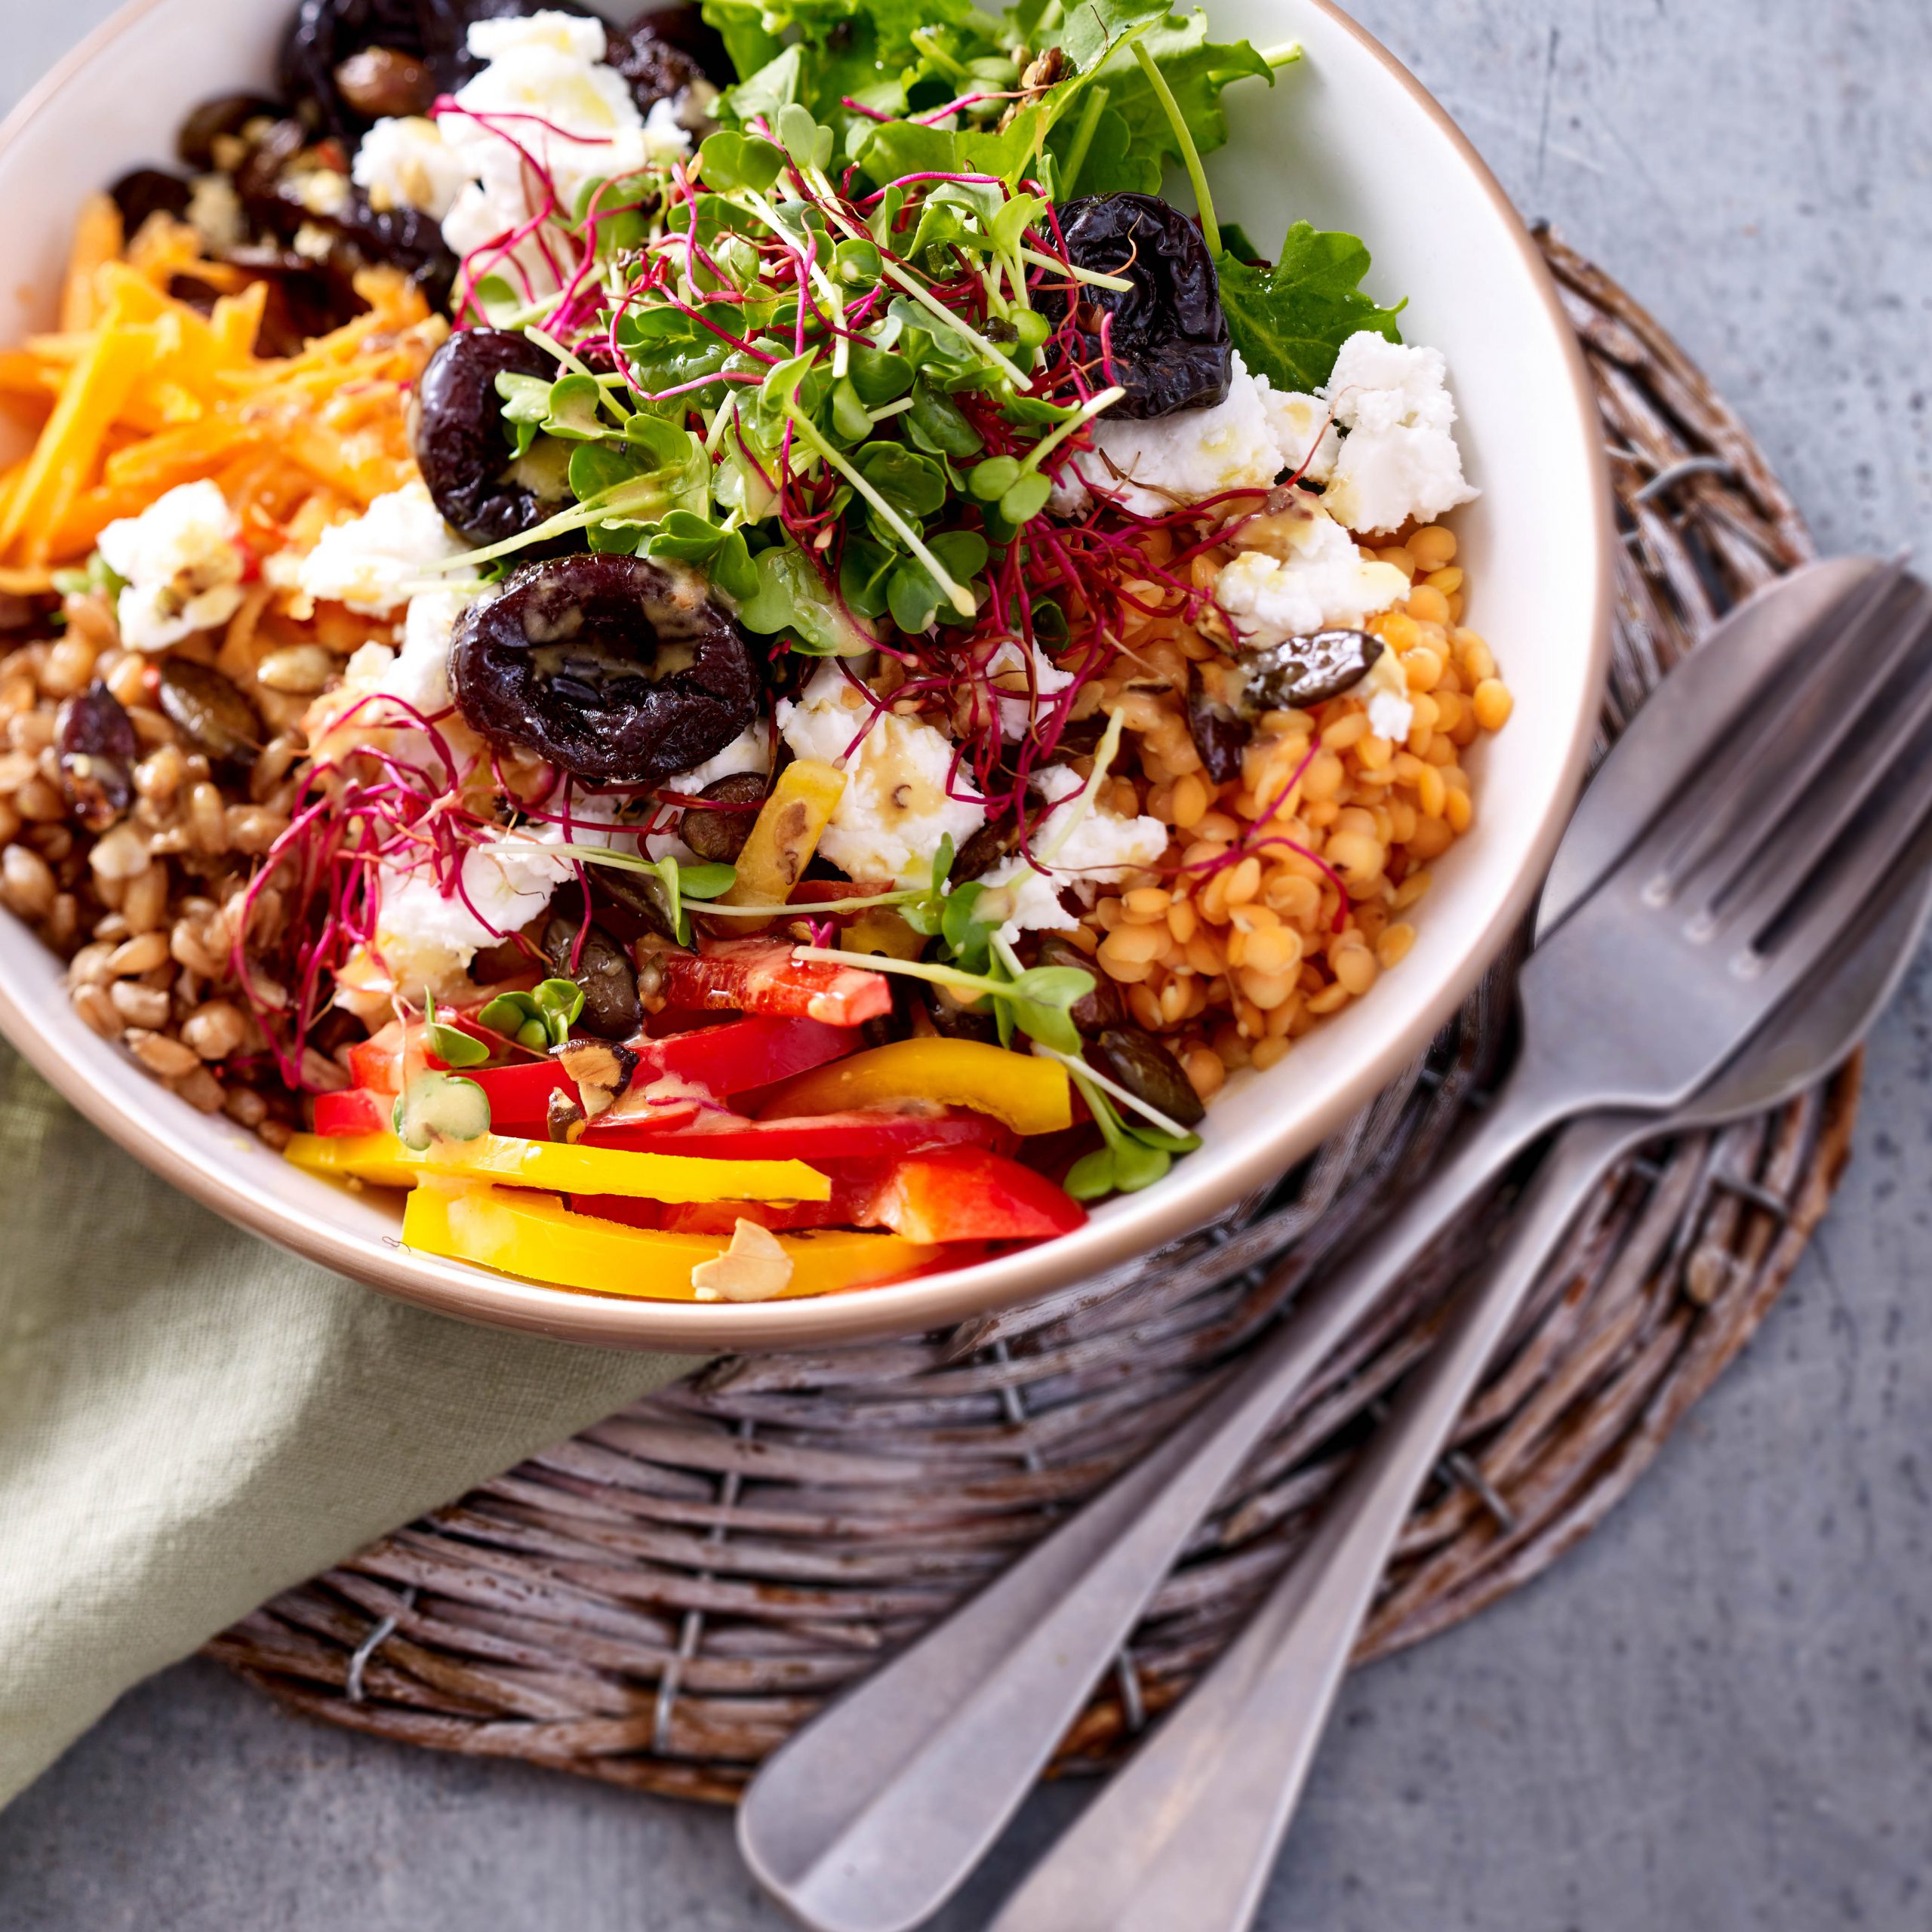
(1188, 1833)
(871, 1817)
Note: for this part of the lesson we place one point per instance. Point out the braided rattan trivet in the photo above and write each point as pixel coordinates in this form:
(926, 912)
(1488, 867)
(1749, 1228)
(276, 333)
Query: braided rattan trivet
(661, 1601)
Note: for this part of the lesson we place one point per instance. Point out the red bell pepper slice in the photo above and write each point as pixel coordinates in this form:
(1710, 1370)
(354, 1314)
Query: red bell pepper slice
(971, 1194)
(949, 1196)
(854, 1186)
(355, 1110)
(818, 1138)
(758, 975)
(743, 1053)
(519, 1096)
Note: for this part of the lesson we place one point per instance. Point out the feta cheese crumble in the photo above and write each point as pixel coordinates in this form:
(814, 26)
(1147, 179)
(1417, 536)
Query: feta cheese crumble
(183, 560)
(553, 100)
(1151, 467)
(1399, 459)
(1304, 574)
(749, 751)
(370, 562)
(1101, 848)
(406, 163)
(1391, 715)
(1023, 690)
(894, 809)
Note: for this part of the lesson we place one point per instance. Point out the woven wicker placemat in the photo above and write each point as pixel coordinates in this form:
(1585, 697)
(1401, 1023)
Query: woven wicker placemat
(660, 1602)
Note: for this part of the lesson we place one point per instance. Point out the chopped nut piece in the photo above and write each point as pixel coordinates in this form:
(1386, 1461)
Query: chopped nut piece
(602, 1070)
(754, 1267)
(565, 1119)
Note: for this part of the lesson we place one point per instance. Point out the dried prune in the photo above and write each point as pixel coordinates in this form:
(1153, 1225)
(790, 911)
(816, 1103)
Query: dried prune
(1220, 733)
(603, 970)
(686, 29)
(221, 119)
(210, 710)
(720, 836)
(660, 57)
(1303, 671)
(609, 667)
(146, 192)
(1141, 1062)
(401, 238)
(460, 447)
(1167, 341)
(94, 740)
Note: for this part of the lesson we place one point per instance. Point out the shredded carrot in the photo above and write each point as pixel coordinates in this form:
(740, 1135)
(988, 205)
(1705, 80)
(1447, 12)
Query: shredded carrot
(138, 392)
(97, 241)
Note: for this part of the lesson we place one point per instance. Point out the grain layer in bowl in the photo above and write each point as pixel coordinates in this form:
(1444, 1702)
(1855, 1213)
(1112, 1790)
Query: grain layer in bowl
(734, 680)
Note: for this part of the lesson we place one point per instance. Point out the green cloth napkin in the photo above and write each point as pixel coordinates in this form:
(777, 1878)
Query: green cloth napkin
(190, 1420)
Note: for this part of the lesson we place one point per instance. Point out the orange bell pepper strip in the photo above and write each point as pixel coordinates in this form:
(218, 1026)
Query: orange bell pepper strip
(537, 1236)
(384, 1161)
(1031, 1095)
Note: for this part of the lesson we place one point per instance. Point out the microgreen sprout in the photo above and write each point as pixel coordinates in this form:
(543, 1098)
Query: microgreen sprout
(452, 1044)
(539, 1019)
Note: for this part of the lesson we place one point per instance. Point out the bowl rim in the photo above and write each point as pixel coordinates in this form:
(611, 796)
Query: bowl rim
(476, 1294)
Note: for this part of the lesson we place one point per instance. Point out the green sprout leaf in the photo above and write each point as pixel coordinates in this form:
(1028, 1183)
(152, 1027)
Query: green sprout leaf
(452, 1044)
(728, 159)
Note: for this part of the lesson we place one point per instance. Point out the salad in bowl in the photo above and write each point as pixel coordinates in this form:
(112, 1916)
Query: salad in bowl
(723, 650)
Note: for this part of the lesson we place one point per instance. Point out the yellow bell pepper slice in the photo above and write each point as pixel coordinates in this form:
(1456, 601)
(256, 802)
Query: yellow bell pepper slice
(783, 837)
(537, 1236)
(382, 1160)
(1031, 1095)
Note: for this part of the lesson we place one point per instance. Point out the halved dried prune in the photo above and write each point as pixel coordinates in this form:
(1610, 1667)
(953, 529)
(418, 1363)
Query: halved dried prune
(145, 192)
(1167, 341)
(95, 742)
(720, 836)
(210, 710)
(603, 970)
(1140, 1061)
(1303, 671)
(609, 667)
(460, 447)
(327, 33)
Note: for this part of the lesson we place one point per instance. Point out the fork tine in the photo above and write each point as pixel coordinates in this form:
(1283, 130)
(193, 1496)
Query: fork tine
(1826, 901)
(1790, 845)
(1814, 712)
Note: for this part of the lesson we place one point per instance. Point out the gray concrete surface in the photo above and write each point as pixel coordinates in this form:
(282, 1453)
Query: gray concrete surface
(1718, 1714)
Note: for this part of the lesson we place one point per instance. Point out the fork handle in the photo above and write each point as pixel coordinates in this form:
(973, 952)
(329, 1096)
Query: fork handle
(1187, 1834)
(872, 1815)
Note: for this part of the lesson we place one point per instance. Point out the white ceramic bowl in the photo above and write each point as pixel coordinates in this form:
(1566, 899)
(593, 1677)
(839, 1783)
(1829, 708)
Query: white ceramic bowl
(1347, 138)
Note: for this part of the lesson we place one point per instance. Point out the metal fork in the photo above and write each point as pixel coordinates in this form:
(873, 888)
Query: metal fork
(1747, 873)
(1188, 1833)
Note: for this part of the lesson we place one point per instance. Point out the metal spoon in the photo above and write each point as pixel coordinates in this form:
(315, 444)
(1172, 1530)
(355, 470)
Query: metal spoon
(1189, 1832)
(869, 1819)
